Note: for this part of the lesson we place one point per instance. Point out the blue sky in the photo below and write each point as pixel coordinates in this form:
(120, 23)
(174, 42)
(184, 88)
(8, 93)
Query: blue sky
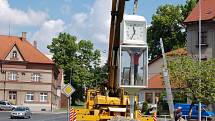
(86, 19)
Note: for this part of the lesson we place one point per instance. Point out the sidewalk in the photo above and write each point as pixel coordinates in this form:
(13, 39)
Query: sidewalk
(47, 112)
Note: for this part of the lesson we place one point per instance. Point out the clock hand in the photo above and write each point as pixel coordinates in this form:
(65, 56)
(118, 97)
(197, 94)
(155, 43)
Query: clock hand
(133, 33)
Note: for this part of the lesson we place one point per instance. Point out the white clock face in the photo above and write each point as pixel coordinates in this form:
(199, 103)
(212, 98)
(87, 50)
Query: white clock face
(134, 31)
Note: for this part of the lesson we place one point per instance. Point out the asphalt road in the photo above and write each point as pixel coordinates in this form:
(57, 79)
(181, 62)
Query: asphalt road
(46, 116)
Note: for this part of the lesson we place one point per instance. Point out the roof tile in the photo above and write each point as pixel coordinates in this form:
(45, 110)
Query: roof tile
(156, 82)
(207, 11)
(28, 51)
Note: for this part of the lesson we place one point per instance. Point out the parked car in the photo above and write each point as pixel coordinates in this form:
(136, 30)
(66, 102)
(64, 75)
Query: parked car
(6, 105)
(185, 111)
(21, 112)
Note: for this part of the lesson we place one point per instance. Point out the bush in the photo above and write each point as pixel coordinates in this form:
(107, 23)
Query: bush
(144, 107)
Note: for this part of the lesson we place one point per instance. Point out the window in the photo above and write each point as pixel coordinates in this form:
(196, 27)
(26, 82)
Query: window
(12, 76)
(35, 77)
(12, 95)
(43, 96)
(203, 38)
(157, 97)
(14, 54)
(29, 96)
(149, 97)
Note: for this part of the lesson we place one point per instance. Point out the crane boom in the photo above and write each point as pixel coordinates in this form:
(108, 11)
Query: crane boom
(114, 41)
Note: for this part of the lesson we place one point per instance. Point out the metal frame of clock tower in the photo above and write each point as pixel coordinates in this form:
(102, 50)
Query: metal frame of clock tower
(133, 56)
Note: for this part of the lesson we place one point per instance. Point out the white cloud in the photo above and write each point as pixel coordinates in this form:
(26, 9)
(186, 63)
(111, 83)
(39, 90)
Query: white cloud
(103, 59)
(19, 17)
(48, 30)
(80, 18)
(94, 25)
(100, 14)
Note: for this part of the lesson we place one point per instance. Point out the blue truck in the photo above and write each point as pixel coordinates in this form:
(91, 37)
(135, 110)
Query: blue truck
(185, 111)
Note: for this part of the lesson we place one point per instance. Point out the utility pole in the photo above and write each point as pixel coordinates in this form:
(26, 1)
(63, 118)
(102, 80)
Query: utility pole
(167, 83)
(200, 53)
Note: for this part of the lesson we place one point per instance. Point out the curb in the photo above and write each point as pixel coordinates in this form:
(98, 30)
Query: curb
(40, 112)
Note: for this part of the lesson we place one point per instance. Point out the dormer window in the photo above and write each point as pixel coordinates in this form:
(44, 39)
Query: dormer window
(14, 54)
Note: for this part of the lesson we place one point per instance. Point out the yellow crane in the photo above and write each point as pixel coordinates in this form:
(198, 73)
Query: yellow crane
(113, 102)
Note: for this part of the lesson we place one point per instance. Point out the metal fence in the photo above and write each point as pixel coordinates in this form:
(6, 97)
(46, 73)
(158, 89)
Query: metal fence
(204, 118)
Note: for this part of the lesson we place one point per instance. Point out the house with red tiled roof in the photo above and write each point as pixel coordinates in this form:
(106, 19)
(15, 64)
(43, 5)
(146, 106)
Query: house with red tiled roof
(27, 76)
(207, 29)
(156, 87)
(155, 82)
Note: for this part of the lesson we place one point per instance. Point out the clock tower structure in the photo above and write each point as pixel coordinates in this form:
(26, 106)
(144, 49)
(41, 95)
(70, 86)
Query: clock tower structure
(133, 57)
(133, 54)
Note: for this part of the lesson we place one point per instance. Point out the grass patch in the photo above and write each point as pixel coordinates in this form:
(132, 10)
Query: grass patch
(79, 105)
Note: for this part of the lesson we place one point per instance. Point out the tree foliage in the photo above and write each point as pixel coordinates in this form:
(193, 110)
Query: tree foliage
(187, 8)
(193, 79)
(79, 61)
(167, 23)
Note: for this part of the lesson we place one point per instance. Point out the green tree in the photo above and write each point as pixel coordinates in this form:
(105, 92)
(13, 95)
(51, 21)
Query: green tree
(166, 24)
(186, 75)
(188, 7)
(144, 108)
(78, 60)
(102, 75)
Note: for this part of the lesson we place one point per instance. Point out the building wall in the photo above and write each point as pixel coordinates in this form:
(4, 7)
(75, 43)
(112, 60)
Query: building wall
(1, 92)
(155, 67)
(25, 74)
(24, 84)
(213, 43)
(2, 76)
(27, 86)
(64, 101)
(192, 40)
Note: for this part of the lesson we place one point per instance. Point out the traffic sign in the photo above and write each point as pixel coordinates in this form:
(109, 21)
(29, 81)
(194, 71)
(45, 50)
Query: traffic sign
(68, 90)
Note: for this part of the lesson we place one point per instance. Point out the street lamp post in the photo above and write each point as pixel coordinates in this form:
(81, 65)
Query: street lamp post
(4, 89)
(4, 84)
(4, 81)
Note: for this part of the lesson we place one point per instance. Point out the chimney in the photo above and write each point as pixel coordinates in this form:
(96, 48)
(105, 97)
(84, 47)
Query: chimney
(35, 43)
(24, 35)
